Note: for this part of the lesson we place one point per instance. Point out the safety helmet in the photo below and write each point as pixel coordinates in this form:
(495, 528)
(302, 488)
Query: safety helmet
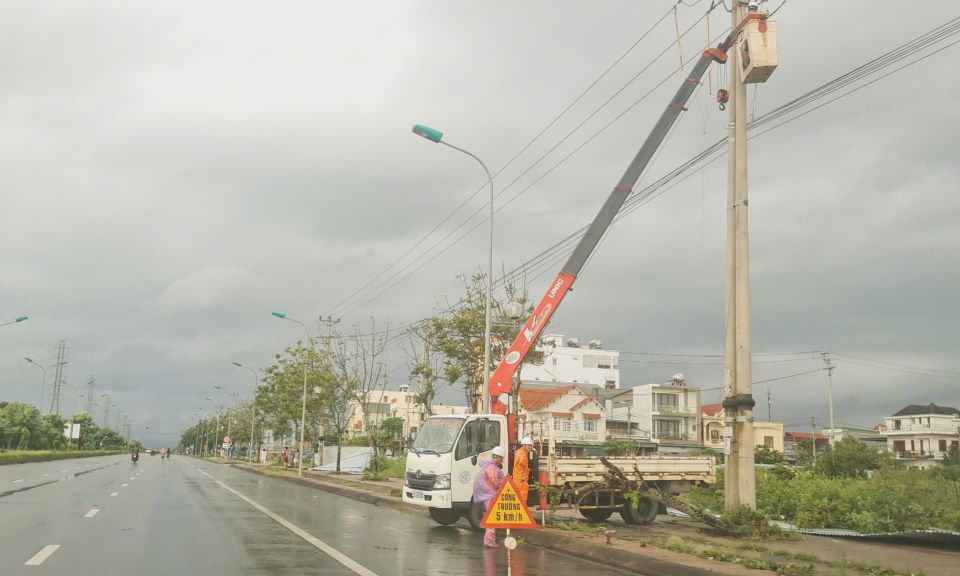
(526, 441)
(500, 451)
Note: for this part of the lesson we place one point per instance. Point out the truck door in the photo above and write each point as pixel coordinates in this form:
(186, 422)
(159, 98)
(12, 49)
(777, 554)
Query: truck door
(478, 438)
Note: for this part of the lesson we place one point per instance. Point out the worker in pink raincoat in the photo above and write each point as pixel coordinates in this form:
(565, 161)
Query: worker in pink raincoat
(486, 486)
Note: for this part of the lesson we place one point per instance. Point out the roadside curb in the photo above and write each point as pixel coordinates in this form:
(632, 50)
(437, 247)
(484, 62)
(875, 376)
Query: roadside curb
(550, 539)
(609, 556)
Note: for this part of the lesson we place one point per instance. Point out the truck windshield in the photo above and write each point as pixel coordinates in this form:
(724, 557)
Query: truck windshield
(438, 435)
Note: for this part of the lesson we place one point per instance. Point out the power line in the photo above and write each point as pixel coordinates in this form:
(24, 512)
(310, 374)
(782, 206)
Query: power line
(517, 155)
(896, 365)
(641, 198)
(355, 306)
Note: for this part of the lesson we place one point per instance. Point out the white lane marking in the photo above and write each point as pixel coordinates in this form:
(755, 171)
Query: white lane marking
(132, 478)
(91, 513)
(42, 555)
(42, 475)
(62, 471)
(15, 481)
(77, 468)
(325, 548)
(114, 493)
(124, 485)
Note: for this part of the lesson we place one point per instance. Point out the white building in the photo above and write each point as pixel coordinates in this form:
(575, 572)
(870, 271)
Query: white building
(668, 414)
(570, 363)
(919, 436)
(572, 417)
(395, 404)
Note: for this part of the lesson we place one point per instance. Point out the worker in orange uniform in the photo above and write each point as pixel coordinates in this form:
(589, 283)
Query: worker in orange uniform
(521, 468)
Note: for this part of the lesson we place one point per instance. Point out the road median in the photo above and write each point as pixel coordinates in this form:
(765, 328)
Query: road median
(14, 457)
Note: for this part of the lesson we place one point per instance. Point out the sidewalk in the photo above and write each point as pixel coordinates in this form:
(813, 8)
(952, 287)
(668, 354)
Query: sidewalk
(671, 546)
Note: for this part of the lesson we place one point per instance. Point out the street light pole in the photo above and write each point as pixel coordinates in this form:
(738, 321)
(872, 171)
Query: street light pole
(303, 411)
(253, 413)
(43, 382)
(20, 319)
(435, 136)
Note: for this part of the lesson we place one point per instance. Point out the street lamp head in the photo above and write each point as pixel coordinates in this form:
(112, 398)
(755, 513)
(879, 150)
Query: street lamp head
(428, 133)
(29, 360)
(238, 364)
(20, 319)
(64, 362)
(218, 388)
(279, 314)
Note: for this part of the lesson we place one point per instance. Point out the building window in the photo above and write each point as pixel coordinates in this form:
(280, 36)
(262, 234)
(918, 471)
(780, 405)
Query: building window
(768, 441)
(667, 428)
(667, 402)
(943, 445)
(561, 424)
(715, 434)
(896, 424)
(589, 425)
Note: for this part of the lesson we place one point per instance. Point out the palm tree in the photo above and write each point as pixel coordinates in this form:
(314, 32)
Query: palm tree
(20, 421)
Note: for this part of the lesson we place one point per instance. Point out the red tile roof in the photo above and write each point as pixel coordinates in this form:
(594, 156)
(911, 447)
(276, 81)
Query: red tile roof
(711, 409)
(537, 398)
(582, 402)
(564, 414)
(801, 436)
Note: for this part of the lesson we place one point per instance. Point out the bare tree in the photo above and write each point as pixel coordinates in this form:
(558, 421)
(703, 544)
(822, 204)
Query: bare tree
(425, 365)
(358, 365)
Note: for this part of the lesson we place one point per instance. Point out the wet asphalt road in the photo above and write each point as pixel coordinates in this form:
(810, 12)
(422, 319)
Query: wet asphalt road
(185, 516)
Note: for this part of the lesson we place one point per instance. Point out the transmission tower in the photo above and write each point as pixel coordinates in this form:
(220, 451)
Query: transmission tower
(58, 375)
(106, 411)
(90, 395)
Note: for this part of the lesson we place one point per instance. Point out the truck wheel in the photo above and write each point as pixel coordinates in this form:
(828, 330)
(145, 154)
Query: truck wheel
(474, 515)
(597, 515)
(444, 516)
(644, 513)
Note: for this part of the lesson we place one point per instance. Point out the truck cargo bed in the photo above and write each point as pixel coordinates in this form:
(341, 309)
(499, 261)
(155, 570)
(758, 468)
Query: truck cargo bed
(565, 469)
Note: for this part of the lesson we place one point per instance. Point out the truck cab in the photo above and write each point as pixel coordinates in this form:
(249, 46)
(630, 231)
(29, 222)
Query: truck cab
(445, 459)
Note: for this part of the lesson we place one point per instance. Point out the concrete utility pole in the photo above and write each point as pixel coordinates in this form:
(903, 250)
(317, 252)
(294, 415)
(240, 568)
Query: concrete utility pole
(813, 437)
(740, 487)
(769, 406)
(829, 366)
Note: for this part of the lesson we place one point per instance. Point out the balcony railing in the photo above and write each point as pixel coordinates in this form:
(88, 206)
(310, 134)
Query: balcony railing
(915, 454)
(925, 428)
(671, 409)
(675, 436)
(625, 435)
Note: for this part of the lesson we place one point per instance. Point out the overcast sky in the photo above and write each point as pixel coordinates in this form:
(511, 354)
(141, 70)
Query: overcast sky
(174, 171)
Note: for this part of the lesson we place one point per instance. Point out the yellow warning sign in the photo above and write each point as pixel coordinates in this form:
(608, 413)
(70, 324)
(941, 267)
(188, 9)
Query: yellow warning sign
(507, 510)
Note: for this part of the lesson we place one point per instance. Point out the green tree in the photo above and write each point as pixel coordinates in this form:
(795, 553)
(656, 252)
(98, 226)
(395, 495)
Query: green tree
(391, 434)
(50, 434)
(764, 455)
(280, 395)
(804, 451)
(20, 422)
(952, 457)
(87, 428)
(614, 447)
(850, 458)
(457, 333)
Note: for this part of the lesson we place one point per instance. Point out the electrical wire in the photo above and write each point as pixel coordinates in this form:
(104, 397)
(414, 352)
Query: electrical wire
(501, 192)
(517, 155)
